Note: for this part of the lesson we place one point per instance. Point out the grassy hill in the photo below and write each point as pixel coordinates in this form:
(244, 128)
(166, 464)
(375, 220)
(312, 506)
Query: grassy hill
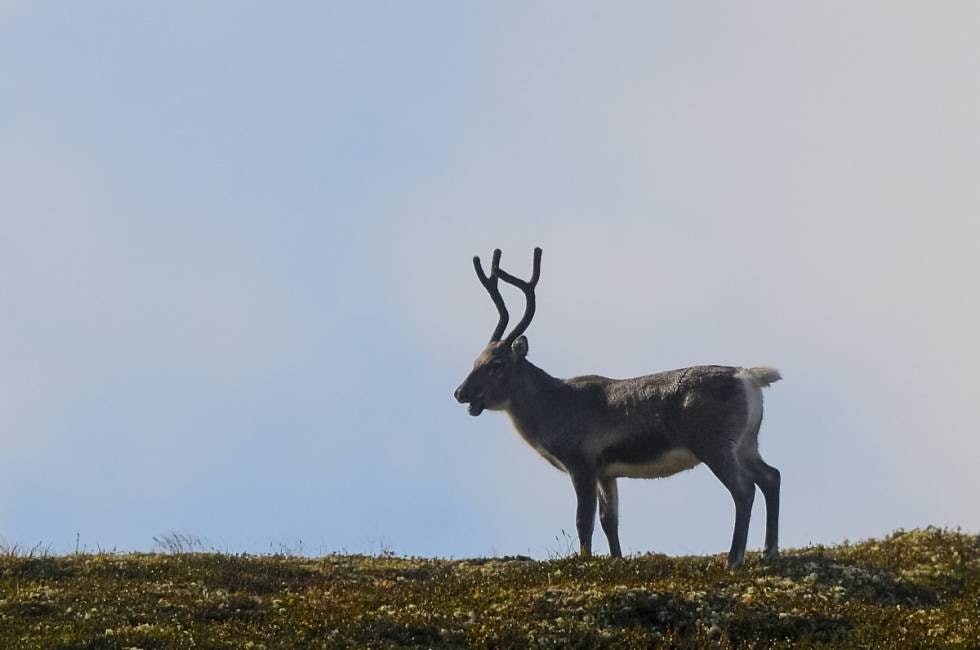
(917, 589)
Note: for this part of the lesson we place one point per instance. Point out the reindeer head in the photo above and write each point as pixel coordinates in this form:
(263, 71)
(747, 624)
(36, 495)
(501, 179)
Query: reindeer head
(488, 386)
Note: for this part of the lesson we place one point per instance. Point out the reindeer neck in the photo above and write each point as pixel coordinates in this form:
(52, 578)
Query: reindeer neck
(534, 396)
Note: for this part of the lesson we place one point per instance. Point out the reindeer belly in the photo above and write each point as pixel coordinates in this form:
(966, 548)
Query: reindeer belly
(668, 463)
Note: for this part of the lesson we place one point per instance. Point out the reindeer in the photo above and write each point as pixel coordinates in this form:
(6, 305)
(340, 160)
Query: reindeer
(598, 429)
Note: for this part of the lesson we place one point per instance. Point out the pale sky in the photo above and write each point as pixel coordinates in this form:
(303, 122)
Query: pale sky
(235, 275)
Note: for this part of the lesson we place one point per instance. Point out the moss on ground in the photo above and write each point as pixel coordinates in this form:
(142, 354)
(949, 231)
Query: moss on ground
(917, 589)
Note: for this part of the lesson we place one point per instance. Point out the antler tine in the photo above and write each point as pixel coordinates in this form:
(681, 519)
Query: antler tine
(490, 284)
(528, 288)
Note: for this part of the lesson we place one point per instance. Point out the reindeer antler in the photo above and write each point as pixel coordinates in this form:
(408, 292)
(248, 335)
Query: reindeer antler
(490, 284)
(528, 288)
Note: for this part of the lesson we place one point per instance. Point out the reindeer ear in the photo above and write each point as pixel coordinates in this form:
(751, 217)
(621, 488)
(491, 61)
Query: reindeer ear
(519, 346)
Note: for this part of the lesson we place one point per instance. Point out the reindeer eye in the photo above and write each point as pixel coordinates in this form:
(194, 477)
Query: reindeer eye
(496, 365)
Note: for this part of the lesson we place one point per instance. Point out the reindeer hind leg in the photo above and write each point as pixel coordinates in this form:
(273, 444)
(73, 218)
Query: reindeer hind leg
(736, 478)
(768, 479)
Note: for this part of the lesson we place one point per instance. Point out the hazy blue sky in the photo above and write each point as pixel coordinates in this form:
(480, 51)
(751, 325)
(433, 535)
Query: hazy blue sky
(235, 280)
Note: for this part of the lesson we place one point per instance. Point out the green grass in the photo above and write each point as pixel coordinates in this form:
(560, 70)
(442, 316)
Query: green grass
(916, 589)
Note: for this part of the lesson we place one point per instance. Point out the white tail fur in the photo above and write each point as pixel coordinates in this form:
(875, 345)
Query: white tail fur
(761, 376)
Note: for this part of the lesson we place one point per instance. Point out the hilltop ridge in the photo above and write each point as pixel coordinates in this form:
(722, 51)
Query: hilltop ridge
(918, 588)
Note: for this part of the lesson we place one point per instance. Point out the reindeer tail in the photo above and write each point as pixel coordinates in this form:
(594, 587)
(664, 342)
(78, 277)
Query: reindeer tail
(761, 376)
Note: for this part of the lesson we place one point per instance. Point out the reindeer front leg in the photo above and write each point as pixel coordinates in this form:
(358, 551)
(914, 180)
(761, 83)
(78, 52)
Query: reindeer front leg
(584, 482)
(609, 514)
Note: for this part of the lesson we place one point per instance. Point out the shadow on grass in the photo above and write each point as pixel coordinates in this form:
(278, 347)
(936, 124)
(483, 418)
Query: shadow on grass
(862, 581)
(38, 568)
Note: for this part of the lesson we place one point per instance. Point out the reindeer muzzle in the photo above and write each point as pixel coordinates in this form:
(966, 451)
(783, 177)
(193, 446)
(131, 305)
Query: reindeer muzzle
(475, 403)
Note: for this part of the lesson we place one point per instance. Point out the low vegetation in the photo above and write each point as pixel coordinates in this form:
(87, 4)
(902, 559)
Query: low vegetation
(916, 589)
